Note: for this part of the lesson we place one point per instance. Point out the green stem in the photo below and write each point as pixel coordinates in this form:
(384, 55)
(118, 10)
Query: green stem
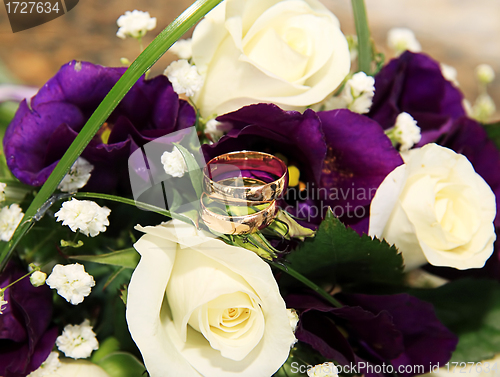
(363, 31)
(143, 62)
(14, 282)
(119, 199)
(290, 271)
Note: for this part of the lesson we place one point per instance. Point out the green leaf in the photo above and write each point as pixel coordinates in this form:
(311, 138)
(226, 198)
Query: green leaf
(109, 345)
(127, 258)
(195, 173)
(339, 255)
(285, 226)
(143, 62)
(471, 309)
(493, 131)
(122, 364)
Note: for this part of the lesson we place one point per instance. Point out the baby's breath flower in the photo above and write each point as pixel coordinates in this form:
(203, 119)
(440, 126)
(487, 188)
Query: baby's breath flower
(402, 39)
(71, 282)
(184, 77)
(3, 303)
(10, 217)
(173, 163)
(135, 24)
(212, 128)
(77, 341)
(84, 215)
(293, 317)
(77, 177)
(323, 370)
(485, 74)
(48, 367)
(183, 48)
(483, 108)
(405, 132)
(38, 278)
(449, 73)
(2, 191)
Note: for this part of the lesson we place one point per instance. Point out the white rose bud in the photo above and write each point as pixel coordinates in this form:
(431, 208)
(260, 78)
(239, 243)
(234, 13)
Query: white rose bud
(290, 53)
(211, 307)
(435, 208)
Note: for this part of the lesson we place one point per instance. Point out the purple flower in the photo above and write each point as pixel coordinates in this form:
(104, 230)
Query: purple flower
(399, 329)
(342, 156)
(43, 128)
(413, 83)
(26, 338)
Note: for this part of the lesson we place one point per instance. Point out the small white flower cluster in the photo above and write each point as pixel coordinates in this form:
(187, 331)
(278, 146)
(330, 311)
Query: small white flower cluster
(173, 163)
(356, 96)
(48, 367)
(2, 191)
(485, 73)
(77, 177)
(184, 77)
(405, 132)
(449, 73)
(3, 303)
(323, 370)
(484, 106)
(401, 40)
(71, 282)
(10, 217)
(183, 48)
(84, 215)
(135, 24)
(212, 128)
(293, 317)
(77, 341)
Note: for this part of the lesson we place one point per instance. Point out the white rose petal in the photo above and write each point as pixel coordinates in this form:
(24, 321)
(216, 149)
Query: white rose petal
(184, 77)
(435, 208)
(71, 282)
(183, 48)
(84, 216)
(10, 217)
(77, 341)
(48, 367)
(290, 53)
(78, 368)
(323, 370)
(402, 39)
(77, 177)
(293, 317)
(210, 309)
(38, 278)
(135, 24)
(174, 163)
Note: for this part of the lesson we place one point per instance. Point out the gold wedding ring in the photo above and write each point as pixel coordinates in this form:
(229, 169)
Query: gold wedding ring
(242, 176)
(240, 191)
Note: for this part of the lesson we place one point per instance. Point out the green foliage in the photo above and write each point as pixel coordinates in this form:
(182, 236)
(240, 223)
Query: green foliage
(339, 255)
(471, 309)
(127, 258)
(121, 364)
(493, 131)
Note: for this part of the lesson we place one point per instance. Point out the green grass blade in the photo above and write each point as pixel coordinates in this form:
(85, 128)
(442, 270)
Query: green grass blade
(143, 62)
(363, 31)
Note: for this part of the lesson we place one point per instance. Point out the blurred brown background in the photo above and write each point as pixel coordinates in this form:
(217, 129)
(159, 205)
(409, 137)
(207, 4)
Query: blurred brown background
(460, 33)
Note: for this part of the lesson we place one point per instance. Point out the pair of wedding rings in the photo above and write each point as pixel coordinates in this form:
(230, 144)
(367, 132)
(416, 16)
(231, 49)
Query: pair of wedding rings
(240, 191)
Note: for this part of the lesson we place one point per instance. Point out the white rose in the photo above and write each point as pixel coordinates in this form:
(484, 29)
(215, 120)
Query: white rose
(78, 368)
(290, 53)
(435, 208)
(210, 310)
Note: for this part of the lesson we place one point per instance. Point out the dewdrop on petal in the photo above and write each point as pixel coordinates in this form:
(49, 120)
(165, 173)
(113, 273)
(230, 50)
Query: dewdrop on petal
(84, 216)
(405, 132)
(183, 48)
(77, 176)
(135, 24)
(38, 278)
(173, 163)
(402, 39)
(323, 370)
(10, 217)
(48, 367)
(485, 74)
(184, 77)
(71, 282)
(77, 341)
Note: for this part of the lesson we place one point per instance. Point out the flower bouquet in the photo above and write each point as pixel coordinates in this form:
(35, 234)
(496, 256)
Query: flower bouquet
(283, 201)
